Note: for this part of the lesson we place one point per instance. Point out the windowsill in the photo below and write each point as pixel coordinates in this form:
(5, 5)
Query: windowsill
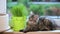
(40, 32)
(44, 2)
(53, 17)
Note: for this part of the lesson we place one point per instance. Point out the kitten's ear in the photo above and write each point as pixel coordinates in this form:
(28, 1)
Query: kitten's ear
(31, 13)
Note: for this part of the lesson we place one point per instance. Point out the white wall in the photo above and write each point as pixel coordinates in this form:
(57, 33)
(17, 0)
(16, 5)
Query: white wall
(2, 6)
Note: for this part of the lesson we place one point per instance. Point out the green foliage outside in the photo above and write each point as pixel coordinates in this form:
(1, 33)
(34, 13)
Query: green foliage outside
(41, 9)
(37, 9)
(50, 7)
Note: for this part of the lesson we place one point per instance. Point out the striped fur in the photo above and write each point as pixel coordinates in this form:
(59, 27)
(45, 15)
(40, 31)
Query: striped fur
(38, 24)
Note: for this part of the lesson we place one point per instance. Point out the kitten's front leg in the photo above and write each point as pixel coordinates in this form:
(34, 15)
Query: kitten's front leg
(25, 30)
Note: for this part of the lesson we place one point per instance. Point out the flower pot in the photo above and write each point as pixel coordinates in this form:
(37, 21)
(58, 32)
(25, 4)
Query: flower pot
(18, 23)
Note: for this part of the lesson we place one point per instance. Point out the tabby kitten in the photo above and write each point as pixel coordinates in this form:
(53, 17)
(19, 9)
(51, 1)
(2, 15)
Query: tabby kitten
(38, 24)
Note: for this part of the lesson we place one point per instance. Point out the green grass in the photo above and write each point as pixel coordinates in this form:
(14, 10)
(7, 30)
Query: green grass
(19, 10)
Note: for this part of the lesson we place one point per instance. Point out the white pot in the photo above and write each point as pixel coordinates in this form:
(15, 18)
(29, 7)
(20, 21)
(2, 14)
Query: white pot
(4, 22)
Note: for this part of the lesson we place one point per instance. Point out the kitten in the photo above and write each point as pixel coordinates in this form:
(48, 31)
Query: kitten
(38, 24)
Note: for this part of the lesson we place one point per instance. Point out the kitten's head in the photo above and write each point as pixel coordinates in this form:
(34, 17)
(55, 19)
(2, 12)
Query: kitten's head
(33, 18)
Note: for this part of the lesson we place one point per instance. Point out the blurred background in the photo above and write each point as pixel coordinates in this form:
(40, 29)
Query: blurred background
(18, 11)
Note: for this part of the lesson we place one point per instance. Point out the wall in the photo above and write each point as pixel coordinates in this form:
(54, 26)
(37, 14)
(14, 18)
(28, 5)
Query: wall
(2, 6)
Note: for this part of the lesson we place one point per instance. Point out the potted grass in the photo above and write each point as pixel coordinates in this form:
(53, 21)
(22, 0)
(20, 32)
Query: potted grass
(19, 14)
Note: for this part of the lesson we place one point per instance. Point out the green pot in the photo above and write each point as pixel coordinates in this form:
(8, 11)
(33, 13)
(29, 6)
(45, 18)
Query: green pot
(18, 23)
